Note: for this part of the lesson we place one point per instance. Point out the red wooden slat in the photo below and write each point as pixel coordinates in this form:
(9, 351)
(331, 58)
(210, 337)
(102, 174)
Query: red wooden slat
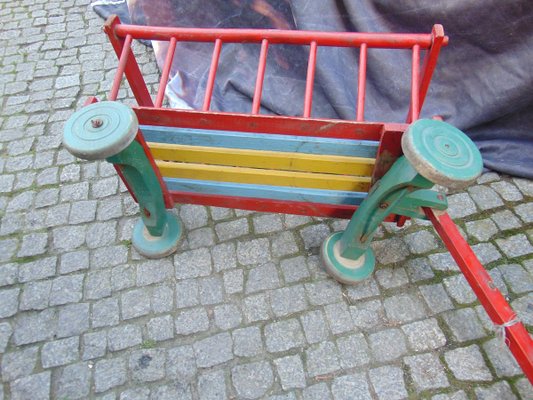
(212, 75)
(415, 86)
(310, 80)
(256, 104)
(165, 72)
(499, 311)
(361, 84)
(276, 36)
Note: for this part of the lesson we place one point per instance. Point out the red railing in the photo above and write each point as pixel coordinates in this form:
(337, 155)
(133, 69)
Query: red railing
(121, 36)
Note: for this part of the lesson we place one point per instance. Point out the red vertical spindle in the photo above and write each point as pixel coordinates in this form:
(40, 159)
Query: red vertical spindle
(361, 84)
(165, 73)
(212, 75)
(256, 104)
(311, 66)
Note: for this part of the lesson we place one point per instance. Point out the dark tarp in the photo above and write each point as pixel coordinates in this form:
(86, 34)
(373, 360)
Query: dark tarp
(483, 83)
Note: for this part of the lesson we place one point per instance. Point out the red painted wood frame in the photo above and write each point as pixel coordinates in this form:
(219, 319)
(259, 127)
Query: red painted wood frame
(121, 37)
(500, 312)
(388, 135)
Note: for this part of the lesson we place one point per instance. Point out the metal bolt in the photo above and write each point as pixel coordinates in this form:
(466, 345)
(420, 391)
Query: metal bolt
(383, 205)
(96, 123)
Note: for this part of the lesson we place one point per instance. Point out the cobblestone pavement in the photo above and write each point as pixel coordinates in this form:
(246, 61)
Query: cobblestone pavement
(243, 310)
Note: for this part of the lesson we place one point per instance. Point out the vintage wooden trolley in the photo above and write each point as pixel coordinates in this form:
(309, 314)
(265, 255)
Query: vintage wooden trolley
(366, 171)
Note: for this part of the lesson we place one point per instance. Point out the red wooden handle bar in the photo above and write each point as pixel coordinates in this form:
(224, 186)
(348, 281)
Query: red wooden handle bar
(499, 311)
(275, 36)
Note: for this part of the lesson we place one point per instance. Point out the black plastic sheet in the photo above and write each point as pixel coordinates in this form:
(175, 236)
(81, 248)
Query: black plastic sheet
(483, 83)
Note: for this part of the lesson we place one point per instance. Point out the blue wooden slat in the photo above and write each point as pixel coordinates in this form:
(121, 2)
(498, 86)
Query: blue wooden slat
(260, 141)
(265, 191)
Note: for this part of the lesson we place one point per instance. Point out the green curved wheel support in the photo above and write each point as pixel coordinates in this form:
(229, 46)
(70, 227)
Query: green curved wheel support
(442, 153)
(107, 130)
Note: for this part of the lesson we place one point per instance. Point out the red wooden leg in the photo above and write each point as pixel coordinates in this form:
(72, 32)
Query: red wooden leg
(499, 311)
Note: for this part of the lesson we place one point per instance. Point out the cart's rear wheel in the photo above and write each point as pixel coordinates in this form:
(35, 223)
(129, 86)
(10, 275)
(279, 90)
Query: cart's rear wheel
(100, 130)
(342, 269)
(442, 153)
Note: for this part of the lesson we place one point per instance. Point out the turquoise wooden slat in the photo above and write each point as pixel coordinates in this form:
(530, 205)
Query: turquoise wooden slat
(260, 141)
(265, 191)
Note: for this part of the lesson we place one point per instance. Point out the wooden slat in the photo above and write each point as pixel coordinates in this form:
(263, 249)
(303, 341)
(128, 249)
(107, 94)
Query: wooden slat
(340, 165)
(266, 191)
(263, 177)
(260, 141)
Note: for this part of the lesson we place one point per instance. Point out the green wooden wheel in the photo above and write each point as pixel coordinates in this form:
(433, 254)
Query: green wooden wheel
(343, 269)
(100, 130)
(442, 153)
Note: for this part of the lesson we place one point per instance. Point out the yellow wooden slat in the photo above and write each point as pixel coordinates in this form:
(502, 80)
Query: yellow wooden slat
(221, 173)
(263, 159)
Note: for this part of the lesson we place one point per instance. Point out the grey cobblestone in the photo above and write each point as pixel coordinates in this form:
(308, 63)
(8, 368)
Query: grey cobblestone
(35, 387)
(466, 364)
(227, 316)
(387, 345)
(351, 386)
(501, 358)
(485, 197)
(105, 313)
(353, 351)
(294, 269)
(19, 363)
(506, 220)
(256, 308)
(482, 229)
(320, 391)
(160, 328)
(60, 352)
(315, 328)
(284, 244)
(210, 290)
(73, 382)
(181, 364)
(368, 314)
(339, 318)
(251, 381)
(94, 345)
(262, 277)
(232, 229)
(34, 327)
(291, 372)
(283, 335)
(212, 386)
(464, 324)
(5, 334)
(233, 281)
(73, 319)
(288, 300)
(404, 308)
(109, 373)
(247, 342)
(123, 336)
(98, 284)
(192, 264)
(213, 350)
(147, 365)
(427, 372)
(322, 359)
(515, 246)
(191, 321)
(224, 256)
(525, 212)
(388, 382)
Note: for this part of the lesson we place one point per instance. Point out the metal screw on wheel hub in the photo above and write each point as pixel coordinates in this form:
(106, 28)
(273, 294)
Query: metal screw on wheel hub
(442, 153)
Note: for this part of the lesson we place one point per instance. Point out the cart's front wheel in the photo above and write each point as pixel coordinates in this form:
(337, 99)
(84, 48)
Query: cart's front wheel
(442, 153)
(343, 269)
